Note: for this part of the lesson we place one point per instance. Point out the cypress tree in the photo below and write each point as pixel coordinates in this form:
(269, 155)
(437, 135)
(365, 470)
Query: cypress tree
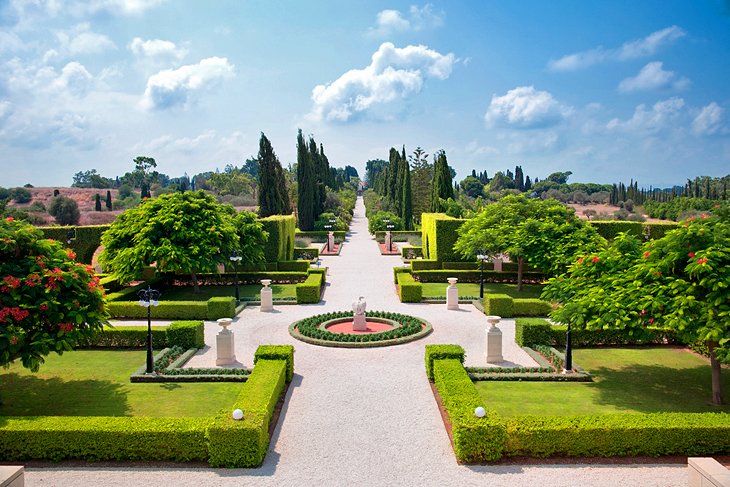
(407, 196)
(528, 184)
(519, 179)
(270, 180)
(109, 199)
(442, 187)
(307, 185)
(97, 202)
(392, 189)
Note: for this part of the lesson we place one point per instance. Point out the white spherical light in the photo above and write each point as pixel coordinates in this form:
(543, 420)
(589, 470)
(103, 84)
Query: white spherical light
(237, 414)
(480, 412)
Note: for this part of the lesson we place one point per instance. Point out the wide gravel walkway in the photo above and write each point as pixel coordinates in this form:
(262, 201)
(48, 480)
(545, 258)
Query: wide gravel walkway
(364, 416)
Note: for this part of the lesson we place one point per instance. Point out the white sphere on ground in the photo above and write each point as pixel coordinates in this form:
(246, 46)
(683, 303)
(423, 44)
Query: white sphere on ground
(480, 412)
(237, 414)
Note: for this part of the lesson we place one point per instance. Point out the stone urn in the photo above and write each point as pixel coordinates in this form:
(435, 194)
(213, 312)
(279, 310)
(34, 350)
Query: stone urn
(452, 280)
(267, 296)
(266, 282)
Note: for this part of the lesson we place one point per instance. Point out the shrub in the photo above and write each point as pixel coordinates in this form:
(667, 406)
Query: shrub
(280, 245)
(186, 334)
(376, 223)
(533, 331)
(475, 439)
(441, 275)
(21, 195)
(499, 305)
(425, 265)
(438, 236)
(277, 352)
(398, 270)
(294, 266)
(409, 291)
(127, 337)
(88, 239)
(530, 307)
(221, 307)
(309, 291)
(64, 210)
(306, 253)
(537, 331)
(175, 310)
(37, 206)
(438, 352)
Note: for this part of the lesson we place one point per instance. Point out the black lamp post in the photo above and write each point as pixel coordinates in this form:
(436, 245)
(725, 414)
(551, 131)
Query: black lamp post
(481, 256)
(236, 258)
(149, 297)
(568, 352)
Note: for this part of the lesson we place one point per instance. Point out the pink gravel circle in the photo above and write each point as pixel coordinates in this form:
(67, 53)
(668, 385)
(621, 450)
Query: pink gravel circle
(346, 327)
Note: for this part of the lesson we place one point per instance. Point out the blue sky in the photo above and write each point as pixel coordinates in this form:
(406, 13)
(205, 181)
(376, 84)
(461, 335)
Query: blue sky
(610, 90)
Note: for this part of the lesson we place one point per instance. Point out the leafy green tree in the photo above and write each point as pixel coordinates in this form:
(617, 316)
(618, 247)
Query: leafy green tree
(143, 166)
(377, 223)
(560, 177)
(64, 210)
(91, 179)
(21, 195)
(180, 232)
(273, 195)
(48, 301)
(678, 282)
(306, 185)
(442, 187)
(471, 186)
(543, 233)
(251, 236)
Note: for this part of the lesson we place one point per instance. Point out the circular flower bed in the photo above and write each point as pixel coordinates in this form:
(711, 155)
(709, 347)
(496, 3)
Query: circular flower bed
(405, 329)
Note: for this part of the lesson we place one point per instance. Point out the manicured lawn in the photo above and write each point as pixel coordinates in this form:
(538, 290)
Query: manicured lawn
(250, 291)
(471, 289)
(626, 380)
(96, 383)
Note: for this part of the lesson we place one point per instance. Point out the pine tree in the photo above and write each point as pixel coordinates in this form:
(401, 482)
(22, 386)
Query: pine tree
(109, 199)
(307, 184)
(97, 202)
(406, 213)
(442, 187)
(421, 176)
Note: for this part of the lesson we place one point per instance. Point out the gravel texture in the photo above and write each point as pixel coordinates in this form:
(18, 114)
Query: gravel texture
(364, 416)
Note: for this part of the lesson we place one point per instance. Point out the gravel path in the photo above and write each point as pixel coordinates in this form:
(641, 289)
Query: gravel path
(364, 416)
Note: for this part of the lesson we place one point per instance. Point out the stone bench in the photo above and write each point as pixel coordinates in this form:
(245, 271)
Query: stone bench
(11, 476)
(707, 472)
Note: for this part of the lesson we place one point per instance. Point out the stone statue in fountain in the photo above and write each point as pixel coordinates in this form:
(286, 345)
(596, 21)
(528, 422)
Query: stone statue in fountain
(358, 307)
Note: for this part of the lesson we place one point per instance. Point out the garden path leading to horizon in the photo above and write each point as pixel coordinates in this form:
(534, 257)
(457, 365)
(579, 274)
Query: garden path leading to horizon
(363, 416)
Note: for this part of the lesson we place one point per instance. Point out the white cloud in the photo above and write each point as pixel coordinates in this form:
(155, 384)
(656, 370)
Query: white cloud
(390, 21)
(79, 40)
(157, 49)
(638, 48)
(662, 115)
(526, 107)
(183, 144)
(477, 149)
(120, 7)
(709, 120)
(177, 87)
(393, 74)
(652, 77)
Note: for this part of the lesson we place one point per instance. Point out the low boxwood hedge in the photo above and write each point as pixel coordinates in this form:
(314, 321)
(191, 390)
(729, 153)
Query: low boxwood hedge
(437, 352)
(410, 328)
(171, 310)
(277, 352)
(499, 305)
(221, 307)
(474, 276)
(294, 265)
(398, 270)
(409, 291)
(538, 331)
(309, 291)
(184, 334)
(530, 307)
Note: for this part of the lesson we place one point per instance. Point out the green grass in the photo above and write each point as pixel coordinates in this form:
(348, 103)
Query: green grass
(470, 289)
(250, 291)
(626, 380)
(96, 383)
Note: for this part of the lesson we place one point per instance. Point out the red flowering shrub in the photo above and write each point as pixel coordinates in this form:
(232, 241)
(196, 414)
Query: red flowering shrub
(48, 301)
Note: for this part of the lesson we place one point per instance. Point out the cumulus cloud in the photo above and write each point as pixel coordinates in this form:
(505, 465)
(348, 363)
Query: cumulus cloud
(526, 107)
(709, 120)
(120, 7)
(393, 74)
(417, 18)
(635, 49)
(177, 87)
(78, 41)
(662, 115)
(652, 77)
(157, 49)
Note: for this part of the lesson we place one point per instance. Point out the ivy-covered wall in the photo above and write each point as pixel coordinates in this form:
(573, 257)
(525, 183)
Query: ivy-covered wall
(438, 235)
(281, 230)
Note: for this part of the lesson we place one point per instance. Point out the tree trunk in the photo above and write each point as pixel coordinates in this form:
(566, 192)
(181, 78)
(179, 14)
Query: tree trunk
(520, 266)
(196, 287)
(716, 368)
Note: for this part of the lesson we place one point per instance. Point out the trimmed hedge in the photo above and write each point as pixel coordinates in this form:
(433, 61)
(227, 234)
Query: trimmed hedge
(438, 352)
(294, 266)
(239, 444)
(280, 245)
(103, 438)
(186, 334)
(425, 265)
(499, 305)
(88, 239)
(127, 337)
(475, 439)
(175, 310)
(411, 252)
(409, 291)
(530, 307)
(221, 307)
(655, 434)
(609, 229)
(398, 270)
(253, 277)
(538, 331)
(320, 236)
(440, 275)
(277, 352)
(438, 236)
(309, 291)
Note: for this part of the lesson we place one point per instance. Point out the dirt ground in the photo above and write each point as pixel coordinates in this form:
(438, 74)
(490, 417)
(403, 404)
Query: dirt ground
(603, 208)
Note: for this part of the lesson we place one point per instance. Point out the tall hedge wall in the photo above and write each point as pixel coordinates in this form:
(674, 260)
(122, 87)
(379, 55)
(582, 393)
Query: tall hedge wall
(88, 239)
(609, 229)
(280, 245)
(438, 236)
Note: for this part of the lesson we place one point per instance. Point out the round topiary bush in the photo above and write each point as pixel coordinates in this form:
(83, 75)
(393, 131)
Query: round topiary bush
(405, 328)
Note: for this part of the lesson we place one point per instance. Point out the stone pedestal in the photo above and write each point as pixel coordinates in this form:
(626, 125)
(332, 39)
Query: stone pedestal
(330, 242)
(267, 296)
(224, 344)
(388, 241)
(497, 264)
(494, 341)
(452, 294)
(359, 323)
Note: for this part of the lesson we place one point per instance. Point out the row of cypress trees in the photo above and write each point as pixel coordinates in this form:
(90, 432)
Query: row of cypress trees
(313, 177)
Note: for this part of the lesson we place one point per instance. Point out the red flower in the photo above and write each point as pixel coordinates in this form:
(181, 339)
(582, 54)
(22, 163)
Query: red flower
(13, 282)
(580, 260)
(647, 254)
(705, 215)
(702, 261)
(9, 219)
(65, 327)
(70, 254)
(13, 340)
(76, 304)
(716, 206)
(651, 320)
(691, 254)
(596, 259)
(44, 307)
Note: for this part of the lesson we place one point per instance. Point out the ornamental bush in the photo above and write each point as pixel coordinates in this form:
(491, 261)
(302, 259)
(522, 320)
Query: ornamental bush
(438, 352)
(186, 334)
(409, 291)
(499, 305)
(221, 307)
(309, 291)
(48, 301)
